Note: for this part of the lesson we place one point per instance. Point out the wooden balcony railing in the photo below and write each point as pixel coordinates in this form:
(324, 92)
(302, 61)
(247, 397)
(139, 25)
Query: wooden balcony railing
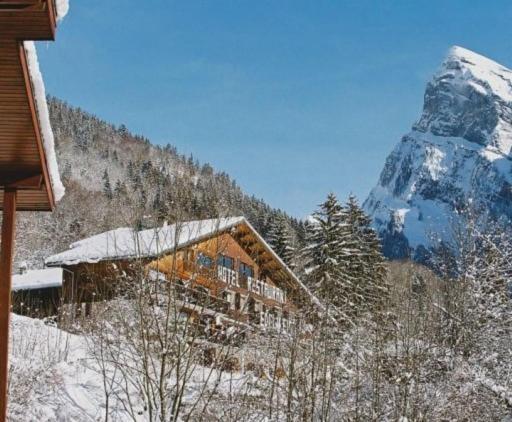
(234, 278)
(200, 298)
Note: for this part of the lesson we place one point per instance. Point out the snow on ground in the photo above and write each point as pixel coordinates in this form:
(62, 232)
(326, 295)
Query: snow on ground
(49, 375)
(54, 377)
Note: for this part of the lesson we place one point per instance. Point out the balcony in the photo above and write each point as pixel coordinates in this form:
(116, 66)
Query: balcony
(199, 299)
(234, 278)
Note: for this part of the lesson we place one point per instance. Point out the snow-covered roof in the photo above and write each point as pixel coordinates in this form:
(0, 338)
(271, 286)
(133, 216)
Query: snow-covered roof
(126, 242)
(44, 119)
(37, 279)
(62, 7)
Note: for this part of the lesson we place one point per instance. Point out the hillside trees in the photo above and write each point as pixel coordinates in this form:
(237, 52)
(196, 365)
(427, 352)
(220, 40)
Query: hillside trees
(123, 180)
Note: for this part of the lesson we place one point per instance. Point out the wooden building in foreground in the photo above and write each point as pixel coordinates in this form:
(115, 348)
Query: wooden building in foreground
(223, 272)
(29, 177)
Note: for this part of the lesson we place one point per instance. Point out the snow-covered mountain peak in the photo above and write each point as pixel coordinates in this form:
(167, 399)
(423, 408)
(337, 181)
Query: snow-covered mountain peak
(470, 97)
(466, 66)
(460, 148)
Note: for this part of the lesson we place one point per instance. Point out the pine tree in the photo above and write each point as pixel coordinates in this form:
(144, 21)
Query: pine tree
(120, 189)
(326, 254)
(131, 171)
(367, 262)
(107, 188)
(281, 240)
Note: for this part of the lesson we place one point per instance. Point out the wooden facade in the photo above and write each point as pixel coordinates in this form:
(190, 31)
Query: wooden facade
(28, 20)
(37, 303)
(23, 164)
(231, 278)
(228, 276)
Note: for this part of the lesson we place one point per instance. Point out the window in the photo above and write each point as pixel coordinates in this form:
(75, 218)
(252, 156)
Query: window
(226, 261)
(204, 261)
(226, 296)
(246, 270)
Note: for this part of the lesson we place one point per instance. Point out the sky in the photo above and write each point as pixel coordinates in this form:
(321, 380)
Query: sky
(294, 99)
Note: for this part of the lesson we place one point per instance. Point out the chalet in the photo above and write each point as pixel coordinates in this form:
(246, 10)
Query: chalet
(223, 271)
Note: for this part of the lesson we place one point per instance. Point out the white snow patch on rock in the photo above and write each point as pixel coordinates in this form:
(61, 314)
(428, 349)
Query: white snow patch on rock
(495, 78)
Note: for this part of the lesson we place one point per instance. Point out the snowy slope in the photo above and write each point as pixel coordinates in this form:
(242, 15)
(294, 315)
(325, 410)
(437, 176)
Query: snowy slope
(50, 375)
(54, 376)
(458, 153)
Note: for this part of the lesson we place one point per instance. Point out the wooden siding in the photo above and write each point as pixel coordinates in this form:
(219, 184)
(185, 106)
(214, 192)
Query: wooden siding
(37, 303)
(21, 150)
(27, 20)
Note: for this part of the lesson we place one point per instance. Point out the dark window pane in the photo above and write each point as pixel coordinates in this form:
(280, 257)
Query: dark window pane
(204, 261)
(226, 261)
(246, 270)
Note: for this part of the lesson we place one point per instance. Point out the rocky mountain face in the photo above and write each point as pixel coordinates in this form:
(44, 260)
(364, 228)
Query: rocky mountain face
(114, 178)
(456, 158)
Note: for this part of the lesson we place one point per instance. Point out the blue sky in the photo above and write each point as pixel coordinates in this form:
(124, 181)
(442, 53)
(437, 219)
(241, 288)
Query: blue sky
(292, 98)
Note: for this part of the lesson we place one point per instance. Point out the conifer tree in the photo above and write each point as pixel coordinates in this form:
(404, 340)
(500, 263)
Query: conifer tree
(120, 189)
(107, 188)
(367, 262)
(328, 248)
(281, 240)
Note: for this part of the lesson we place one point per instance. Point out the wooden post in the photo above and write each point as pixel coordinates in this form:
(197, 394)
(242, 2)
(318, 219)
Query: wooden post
(6, 254)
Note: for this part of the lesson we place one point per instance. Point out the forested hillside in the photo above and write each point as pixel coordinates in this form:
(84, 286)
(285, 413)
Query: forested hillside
(114, 178)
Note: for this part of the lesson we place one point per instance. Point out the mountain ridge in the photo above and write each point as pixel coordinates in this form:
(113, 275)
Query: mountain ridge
(456, 157)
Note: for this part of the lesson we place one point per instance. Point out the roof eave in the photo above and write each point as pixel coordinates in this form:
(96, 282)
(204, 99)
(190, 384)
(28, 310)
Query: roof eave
(37, 128)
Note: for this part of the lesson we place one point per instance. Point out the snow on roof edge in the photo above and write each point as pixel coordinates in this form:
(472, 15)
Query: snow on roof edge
(37, 279)
(44, 119)
(62, 7)
(58, 259)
